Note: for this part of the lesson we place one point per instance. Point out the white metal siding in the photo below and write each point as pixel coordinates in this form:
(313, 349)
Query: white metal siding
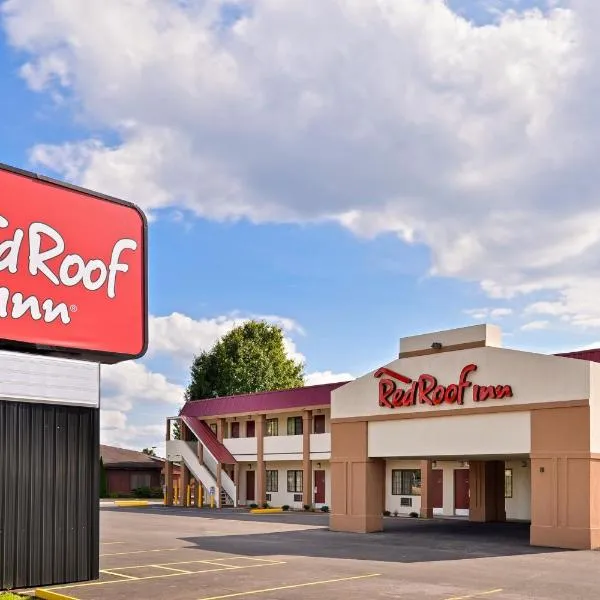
(41, 379)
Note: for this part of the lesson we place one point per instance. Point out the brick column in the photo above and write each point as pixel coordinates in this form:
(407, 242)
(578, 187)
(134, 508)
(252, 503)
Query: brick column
(221, 424)
(486, 487)
(307, 488)
(168, 470)
(357, 481)
(426, 490)
(261, 474)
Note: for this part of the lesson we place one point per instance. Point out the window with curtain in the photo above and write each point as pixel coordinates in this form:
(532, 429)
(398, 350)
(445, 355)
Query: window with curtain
(272, 481)
(272, 427)
(294, 426)
(406, 482)
(294, 481)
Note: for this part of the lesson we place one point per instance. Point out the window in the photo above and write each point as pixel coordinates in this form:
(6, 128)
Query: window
(406, 482)
(272, 426)
(272, 481)
(250, 429)
(319, 423)
(139, 480)
(294, 481)
(508, 483)
(235, 430)
(294, 426)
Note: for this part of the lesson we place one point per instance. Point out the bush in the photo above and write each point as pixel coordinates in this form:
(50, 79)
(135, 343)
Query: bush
(395, 513)
(307, 507)
(386, 513)
(414, 515)
(253, 505)
(324, 508)
(265, 505)
(285, 507)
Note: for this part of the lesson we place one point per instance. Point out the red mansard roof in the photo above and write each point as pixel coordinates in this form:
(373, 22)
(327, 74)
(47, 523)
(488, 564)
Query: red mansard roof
(303, 397)
(592, 355)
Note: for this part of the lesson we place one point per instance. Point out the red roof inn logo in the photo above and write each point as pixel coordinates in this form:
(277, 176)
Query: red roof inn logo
(72, 270)
(426, 389)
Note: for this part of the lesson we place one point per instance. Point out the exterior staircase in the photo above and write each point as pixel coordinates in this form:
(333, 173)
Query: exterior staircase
(213, 453)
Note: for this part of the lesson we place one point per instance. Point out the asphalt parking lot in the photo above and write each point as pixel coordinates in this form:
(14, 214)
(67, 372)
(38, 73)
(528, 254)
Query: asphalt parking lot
(198, 554)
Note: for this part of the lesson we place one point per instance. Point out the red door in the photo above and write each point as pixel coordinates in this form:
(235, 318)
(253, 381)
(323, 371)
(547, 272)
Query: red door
(319, 423)
(438, 488)
(250, 484)
(461, 489)
(235, 430)
(320, 487)
(250, 429)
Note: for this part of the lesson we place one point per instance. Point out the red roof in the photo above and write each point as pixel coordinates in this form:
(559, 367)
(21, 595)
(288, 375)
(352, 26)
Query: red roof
(205, 434)
(302, 397)
(592, 355)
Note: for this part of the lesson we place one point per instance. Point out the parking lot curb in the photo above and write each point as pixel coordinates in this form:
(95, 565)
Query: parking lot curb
(264, 511)
(50, 595)
(130, 503)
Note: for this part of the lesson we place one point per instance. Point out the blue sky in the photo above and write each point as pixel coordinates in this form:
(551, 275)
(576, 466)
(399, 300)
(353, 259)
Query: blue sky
(353, 284)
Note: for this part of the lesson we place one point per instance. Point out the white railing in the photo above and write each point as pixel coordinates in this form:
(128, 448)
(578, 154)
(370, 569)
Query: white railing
(320, 442)
(189, 456)
(241, 446)
(283, 444)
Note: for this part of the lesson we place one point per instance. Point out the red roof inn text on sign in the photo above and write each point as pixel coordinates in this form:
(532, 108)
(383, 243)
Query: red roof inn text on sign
(72, 270)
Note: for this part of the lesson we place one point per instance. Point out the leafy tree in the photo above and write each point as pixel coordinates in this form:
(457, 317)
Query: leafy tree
(250, 358)
(150, 451)
(103, 480)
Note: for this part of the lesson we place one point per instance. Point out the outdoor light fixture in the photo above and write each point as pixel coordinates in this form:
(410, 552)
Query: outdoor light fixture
(436, 345)
(434, 464)
(318, 465)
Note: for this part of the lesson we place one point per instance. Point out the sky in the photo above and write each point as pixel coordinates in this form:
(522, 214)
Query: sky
(352, 170)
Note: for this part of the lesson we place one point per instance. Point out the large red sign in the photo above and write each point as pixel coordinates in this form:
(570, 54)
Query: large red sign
(73, 272)
(426, 389)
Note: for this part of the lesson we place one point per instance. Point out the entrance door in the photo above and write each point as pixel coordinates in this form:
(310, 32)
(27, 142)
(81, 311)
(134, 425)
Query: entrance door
(320, 487)
(250, 485)
(250, 429)
(438, 488)
(461, 489)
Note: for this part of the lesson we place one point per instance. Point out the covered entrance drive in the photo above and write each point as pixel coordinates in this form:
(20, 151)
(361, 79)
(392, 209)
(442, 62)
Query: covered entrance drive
(511, 432)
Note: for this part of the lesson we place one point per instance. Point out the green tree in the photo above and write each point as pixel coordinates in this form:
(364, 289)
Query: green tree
(103, 480)
(250, 358)
(150, 451)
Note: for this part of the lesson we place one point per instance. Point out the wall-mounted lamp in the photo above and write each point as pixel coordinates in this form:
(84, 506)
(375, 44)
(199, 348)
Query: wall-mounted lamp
(436, 345)
(434, 464)
(249, 466)
(524, 463)
(318, 465)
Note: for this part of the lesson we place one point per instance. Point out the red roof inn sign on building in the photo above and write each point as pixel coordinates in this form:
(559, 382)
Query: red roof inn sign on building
(73, 294)
(426, 390)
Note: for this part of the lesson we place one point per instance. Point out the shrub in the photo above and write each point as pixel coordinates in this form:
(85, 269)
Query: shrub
(285, 507)
(254, 505)
(324, 508)
(142, 492)
(307, 507)
(395, 513)
(414, 515)
(265, 505)
(386, 513)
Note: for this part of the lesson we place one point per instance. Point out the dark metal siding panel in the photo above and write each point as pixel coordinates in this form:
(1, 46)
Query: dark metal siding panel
(49, 486)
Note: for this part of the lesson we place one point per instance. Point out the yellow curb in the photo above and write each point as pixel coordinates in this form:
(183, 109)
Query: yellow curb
(265, 510)
(126, 503)
(50, 595)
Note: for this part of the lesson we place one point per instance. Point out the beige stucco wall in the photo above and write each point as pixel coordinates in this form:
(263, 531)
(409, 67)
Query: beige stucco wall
(534, 378)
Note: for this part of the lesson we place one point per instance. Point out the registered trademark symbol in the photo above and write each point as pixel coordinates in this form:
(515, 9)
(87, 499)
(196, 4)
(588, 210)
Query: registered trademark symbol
(73, 308)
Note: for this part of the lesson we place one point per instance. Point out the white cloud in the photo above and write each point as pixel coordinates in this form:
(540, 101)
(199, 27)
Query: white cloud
(320, 377)
(535, 325)
(403, 117)
(180, 336)
(481, 314)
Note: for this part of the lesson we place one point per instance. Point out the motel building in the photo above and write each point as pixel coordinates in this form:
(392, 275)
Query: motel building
(455, 426)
